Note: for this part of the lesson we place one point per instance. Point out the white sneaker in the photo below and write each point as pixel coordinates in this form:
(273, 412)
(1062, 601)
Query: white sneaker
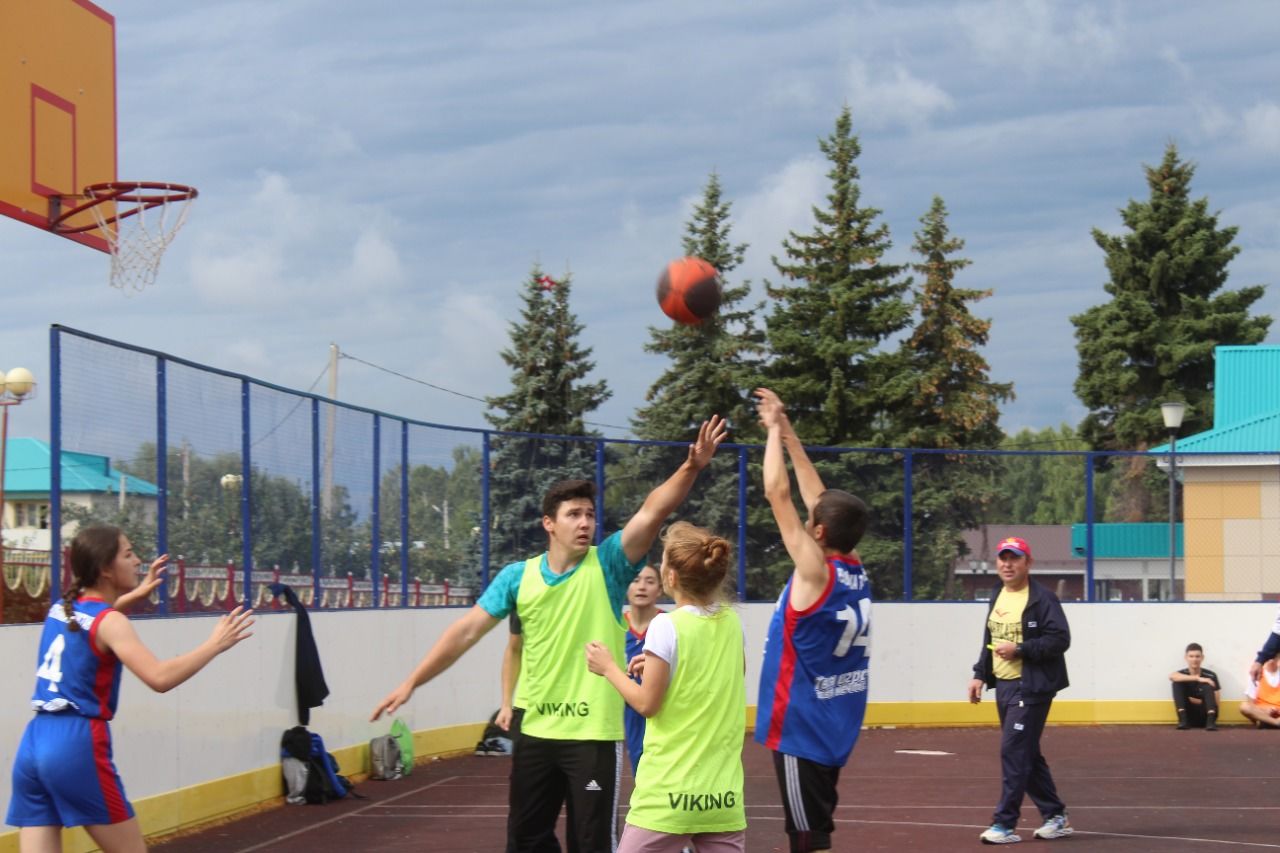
(1057, 826)
(997, 834)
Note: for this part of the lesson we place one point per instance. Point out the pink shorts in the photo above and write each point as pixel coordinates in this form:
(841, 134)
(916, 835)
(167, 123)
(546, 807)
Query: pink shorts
(637, 840)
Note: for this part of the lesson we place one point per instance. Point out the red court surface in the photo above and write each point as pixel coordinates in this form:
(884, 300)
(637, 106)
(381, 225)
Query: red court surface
(1128, 788)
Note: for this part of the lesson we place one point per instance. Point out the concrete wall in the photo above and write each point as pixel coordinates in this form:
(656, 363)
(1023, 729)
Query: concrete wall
(212, 745)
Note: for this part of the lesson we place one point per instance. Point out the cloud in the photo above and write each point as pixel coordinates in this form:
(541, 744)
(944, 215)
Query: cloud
(1261, 127)
(1041, 35)
(894, 97)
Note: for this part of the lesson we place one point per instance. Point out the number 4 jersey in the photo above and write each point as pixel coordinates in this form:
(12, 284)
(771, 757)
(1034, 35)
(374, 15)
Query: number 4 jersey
(72, 674)
(813, 686)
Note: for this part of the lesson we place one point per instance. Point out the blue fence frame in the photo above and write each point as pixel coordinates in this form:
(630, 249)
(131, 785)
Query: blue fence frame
(381, 420)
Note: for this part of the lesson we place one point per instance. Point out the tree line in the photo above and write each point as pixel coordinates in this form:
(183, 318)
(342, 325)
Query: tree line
(867, 351)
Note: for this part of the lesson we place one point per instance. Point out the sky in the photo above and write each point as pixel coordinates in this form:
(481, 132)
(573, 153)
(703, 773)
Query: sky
(383, 175)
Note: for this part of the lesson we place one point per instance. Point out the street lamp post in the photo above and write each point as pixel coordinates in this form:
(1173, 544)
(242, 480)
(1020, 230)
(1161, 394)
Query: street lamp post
(1172, 414)
(15, 386)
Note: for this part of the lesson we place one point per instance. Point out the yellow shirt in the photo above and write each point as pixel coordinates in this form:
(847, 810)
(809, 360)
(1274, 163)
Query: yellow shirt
(1005, 625)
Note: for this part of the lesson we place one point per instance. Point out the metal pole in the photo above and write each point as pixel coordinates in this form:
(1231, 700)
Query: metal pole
(1173, 534)
(4, 440)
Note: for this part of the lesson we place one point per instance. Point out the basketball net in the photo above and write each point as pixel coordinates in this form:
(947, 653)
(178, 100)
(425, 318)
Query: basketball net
(138, 221)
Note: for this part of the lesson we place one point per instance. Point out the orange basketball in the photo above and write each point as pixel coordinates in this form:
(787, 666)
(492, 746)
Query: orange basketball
(689, 290)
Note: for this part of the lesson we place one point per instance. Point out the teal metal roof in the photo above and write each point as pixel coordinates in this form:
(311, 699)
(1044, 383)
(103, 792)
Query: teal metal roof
(1260, 434)
(1245, 384)
(1246, 404)
(1134, 541)
(27, 468)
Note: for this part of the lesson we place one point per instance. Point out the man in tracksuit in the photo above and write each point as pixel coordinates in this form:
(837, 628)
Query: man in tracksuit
(1023, 648)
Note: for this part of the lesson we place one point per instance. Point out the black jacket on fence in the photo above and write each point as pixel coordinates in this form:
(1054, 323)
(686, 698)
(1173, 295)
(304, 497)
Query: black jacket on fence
(307, 673)
(1045, 640)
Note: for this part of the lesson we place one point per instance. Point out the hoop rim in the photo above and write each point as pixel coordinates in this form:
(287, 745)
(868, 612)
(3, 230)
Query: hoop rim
(144, 195)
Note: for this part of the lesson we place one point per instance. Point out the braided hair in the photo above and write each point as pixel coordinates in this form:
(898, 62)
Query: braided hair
(93, 548)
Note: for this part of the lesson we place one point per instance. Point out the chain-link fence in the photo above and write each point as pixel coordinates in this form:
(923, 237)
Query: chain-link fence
(243, 483)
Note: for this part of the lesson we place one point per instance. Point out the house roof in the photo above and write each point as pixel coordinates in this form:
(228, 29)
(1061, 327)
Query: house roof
(1246, 403)
(1050, 543)
(1128, 540)
(27, 467)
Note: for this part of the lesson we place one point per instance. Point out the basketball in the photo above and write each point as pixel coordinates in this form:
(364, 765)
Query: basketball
(689, 290)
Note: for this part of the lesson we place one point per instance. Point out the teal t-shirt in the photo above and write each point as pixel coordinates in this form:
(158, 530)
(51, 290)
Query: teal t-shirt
(500, 598)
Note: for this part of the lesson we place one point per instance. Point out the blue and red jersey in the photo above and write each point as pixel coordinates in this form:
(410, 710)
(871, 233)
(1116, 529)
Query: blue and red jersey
(71, 674)
(813, 685)
(633, 721)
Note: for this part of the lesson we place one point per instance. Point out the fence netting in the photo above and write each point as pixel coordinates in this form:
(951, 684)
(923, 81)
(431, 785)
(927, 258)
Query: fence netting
(245, 484)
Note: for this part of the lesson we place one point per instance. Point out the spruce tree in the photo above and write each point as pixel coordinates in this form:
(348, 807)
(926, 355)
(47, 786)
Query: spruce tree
(1153, 340)
(950, 402)
(840, 304)
(549, 395)
(713, 368)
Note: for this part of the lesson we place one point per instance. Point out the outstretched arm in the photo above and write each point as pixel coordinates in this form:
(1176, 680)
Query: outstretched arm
(811, 486)
(642, 529)
(453, 643)
(811, 575)
(116, 635)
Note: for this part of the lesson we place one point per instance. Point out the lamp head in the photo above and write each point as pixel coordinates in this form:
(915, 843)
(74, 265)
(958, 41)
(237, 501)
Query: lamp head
(1172, 414)
(17, 382)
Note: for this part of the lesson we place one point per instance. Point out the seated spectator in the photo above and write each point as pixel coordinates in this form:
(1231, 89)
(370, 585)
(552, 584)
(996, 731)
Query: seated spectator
(1196, 692)
(1262, 704)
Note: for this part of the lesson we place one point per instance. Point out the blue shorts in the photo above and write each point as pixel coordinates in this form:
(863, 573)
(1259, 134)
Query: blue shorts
(63, 774)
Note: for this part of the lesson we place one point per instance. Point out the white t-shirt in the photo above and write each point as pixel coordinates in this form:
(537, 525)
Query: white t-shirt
(1251, 687)
(660, 639)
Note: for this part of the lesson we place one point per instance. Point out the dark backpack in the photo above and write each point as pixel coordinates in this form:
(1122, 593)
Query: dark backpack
(323, 782)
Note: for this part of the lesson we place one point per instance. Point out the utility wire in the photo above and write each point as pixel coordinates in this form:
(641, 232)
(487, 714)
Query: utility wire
(450, 390)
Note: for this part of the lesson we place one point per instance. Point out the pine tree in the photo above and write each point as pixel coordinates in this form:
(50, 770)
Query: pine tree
(950, 403)
(549, 395)
(713, 367)
(826, 329)
(1154, 339)
(826, 335)
(715, 364)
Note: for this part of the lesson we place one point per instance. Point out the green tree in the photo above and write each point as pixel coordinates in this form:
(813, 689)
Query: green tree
(1153, 340)
(713, 367)
(827, 332)
(1044, 488)
(950, 402)
(549, 395)
(841, 304)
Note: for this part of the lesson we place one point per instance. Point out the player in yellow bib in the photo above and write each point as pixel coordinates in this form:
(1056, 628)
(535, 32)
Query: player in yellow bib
(689, 785)
(569, 746)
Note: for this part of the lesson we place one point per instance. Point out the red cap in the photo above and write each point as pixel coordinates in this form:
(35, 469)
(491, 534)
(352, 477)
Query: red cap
(1015, 544)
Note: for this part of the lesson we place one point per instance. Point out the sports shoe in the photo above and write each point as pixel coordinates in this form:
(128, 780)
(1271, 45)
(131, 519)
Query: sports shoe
(1211, 726)
(998, 834)
(1055, 827)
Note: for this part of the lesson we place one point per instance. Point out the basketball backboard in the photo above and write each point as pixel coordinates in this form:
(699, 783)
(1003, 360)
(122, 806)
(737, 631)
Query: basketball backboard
(57, 107)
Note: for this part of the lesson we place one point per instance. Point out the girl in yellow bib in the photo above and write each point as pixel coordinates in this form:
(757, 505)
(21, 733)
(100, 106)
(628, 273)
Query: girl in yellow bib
(689, 786)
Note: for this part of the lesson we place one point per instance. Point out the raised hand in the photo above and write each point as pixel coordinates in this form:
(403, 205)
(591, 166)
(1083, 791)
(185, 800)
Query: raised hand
(770, 408)
(710, 435)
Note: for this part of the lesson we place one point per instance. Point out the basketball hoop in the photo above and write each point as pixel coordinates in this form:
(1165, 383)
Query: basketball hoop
(136, 240)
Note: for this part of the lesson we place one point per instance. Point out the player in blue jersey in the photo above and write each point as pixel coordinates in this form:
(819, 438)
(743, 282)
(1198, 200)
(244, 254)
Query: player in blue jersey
(813, 683)
(642, 601)
(63, 773)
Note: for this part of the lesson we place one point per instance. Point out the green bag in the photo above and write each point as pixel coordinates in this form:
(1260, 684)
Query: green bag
(404, 737)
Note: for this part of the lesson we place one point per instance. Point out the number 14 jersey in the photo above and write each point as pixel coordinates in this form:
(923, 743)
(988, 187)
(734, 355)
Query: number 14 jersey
(813, 685)
(72, 674)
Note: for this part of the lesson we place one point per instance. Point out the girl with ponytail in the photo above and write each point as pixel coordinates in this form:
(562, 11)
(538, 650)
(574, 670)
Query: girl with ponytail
(688, 788)
(63, 773)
